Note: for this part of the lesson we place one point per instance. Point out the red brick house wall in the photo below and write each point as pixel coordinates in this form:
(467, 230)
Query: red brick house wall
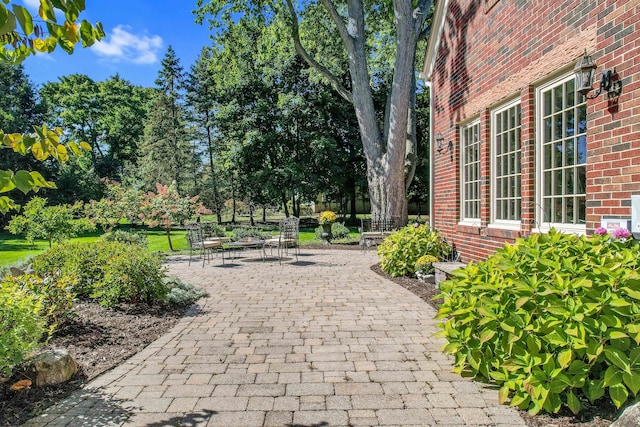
(485, 53)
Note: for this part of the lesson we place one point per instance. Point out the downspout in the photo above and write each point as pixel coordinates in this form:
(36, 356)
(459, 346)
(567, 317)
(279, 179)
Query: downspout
(429, 84)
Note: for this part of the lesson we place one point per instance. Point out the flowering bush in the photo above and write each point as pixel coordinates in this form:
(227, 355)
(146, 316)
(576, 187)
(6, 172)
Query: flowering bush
(424, 266)
(621, 233)
(166, 208)
(327, 217)
(601, 231)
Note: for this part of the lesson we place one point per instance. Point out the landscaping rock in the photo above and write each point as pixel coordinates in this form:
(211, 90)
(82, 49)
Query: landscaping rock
(629, 418)
(53, 367)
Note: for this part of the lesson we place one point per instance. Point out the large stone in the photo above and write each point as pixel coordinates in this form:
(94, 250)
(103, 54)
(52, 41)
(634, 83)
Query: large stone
(629, 418)
(53, 367)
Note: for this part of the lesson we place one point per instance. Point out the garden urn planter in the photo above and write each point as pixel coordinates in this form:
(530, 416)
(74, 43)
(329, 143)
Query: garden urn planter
(326, 233)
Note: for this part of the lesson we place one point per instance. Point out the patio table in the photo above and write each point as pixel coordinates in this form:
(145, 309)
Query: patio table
(247, 244)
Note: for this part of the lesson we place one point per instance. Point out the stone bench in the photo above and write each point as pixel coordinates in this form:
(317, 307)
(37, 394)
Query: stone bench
(443, 270)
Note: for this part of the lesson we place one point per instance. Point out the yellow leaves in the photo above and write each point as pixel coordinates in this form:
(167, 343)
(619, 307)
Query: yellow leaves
(46, 11)
(71, 31)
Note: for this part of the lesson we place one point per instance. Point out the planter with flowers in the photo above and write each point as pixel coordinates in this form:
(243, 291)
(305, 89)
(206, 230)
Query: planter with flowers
(326, 220)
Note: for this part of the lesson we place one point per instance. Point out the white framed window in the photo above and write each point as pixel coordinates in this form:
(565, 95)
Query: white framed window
(506, 183)
(562, 156)
(470, 173)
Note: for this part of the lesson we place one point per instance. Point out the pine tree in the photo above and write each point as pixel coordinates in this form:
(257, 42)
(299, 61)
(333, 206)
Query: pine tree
(166, 152)
(200, 97)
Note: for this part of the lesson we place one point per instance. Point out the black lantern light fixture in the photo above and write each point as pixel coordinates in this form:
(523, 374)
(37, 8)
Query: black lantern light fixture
(585, 70)
(441, 147)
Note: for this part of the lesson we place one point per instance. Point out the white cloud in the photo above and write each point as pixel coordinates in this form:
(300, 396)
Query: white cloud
(32, 4)
(122, 45)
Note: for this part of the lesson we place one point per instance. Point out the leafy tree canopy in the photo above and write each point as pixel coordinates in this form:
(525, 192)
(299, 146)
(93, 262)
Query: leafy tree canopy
(18, 43)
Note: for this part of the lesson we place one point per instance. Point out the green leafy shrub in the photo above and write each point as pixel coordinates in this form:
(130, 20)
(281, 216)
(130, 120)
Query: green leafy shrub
(552, 319)
(124, 236)
(338, 230)
(181, 293)
(245, 233)
(400, 251)
(56, 293)
(53, 223)
(22, 323)
(109, 272)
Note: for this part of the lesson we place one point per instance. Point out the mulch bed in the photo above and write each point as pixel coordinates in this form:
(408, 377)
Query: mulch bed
(100, 339)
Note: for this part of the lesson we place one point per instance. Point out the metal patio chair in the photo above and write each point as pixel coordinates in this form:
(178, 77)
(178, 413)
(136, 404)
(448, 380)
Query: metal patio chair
(203, 246)
(287, 239)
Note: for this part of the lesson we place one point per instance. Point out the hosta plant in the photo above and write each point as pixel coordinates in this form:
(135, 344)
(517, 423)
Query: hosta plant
(400, 251)
(553, 319)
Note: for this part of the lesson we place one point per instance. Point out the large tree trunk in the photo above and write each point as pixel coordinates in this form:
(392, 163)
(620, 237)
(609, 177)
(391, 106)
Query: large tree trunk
(389, 168)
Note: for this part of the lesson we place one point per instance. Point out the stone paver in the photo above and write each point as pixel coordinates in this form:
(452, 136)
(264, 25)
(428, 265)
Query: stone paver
(324, 341)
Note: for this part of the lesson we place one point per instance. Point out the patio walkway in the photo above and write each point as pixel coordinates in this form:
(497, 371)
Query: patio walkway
(321, 342)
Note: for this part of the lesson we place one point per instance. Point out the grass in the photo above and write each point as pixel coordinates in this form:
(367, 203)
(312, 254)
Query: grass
(16, 251)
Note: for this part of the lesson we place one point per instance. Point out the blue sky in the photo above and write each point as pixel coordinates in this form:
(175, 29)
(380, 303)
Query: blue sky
(138, 33)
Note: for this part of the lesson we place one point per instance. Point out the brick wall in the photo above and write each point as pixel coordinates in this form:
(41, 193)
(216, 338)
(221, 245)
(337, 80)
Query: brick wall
(490, 54)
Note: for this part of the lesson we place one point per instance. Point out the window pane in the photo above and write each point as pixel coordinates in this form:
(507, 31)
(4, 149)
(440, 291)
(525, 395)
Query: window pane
(568, 182)
(570, 91)
(558, 155)
(570, 150)
(582, 119)
(557, 182)
(547, 130)
(546, 100)
(582, 150)
(569, 217)
(547, 156)
(557, 99)
(581, 203)
(558, 125)
(557, 209)
(569, 126)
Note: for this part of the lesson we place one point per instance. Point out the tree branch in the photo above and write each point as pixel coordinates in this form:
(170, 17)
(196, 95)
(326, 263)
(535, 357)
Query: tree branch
(337, 19)
(420, 15)
(339, 87)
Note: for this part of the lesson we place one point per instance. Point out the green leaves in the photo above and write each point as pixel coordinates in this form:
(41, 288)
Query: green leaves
(24, 18)
(17, 46)
(401, 250)
(553, 320)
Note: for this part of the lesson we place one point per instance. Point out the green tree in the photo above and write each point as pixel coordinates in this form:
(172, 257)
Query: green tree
(166, 207)
(109, 115)
(286, 137)
(16, 44)
(125, 108)
(200, 96)
(119, 203)
(52, 223)
(20, 110)
(370, 34)
(166, 152)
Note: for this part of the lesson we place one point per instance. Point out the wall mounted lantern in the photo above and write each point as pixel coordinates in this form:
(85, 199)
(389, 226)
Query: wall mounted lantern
(585, 70)
(441, 147)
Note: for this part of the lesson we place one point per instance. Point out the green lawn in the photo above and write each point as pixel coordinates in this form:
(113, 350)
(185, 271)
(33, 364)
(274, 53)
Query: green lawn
(14, 250)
